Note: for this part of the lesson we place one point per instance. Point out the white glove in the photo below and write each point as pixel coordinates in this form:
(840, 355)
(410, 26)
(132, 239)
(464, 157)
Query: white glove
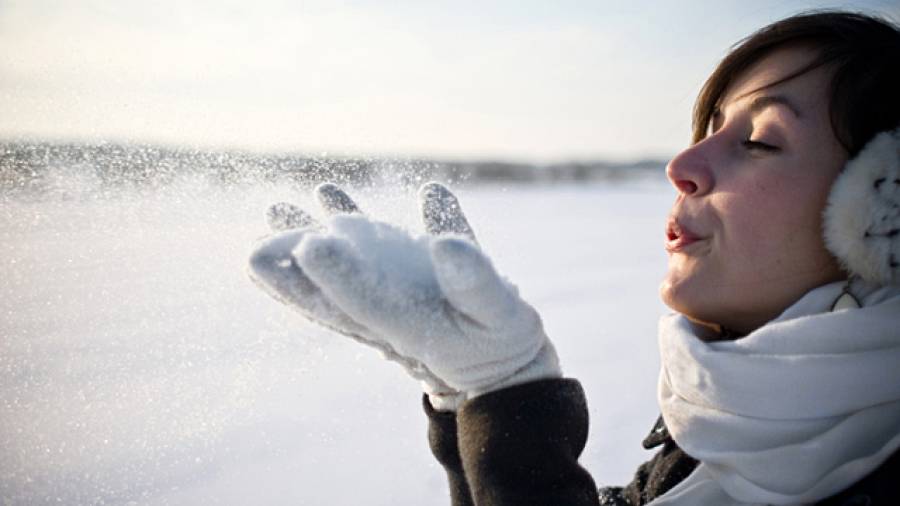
(432, 303)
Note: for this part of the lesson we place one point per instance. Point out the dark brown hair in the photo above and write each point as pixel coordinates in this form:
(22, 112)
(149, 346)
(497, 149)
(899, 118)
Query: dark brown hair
(864, 52)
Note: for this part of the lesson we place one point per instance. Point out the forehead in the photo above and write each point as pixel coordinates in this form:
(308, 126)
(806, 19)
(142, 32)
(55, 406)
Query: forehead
(807, 90)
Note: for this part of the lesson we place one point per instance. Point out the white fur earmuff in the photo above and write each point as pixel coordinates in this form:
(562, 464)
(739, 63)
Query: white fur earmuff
(862, 217)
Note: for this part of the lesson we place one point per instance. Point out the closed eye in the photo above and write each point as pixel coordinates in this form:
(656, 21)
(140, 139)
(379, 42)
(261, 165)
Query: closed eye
(759, 146)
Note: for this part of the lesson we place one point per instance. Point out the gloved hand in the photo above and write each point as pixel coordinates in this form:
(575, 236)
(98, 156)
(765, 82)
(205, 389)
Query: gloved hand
(432, 303)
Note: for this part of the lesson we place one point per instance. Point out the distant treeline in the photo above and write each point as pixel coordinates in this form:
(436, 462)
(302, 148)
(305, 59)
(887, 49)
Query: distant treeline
(33, 167)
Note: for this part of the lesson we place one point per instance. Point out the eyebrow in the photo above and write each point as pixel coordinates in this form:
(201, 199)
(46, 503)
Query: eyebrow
(759, 104)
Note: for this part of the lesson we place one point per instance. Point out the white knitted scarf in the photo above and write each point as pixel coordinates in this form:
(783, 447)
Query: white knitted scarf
(793, 413)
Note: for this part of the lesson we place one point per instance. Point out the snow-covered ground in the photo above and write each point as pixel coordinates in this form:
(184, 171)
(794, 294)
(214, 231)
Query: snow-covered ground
(139, 365)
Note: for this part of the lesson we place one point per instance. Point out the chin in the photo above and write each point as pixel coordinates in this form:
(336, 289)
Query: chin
(698, 305)
(671, 298)
(688, 286)
(677, 293)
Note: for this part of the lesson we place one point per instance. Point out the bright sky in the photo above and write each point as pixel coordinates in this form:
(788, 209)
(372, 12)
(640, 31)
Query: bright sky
(512, 79)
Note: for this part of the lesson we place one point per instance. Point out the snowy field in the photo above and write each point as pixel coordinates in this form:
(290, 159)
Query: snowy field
(139, 365)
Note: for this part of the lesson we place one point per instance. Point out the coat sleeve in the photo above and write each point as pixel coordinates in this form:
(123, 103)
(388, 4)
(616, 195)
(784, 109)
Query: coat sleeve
(520, 446)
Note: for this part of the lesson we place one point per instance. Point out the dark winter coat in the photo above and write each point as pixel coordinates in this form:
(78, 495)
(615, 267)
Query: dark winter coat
(520, 446)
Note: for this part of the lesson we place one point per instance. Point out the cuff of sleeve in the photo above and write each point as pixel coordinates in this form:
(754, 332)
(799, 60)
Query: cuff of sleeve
(537, 407)
(446, 402)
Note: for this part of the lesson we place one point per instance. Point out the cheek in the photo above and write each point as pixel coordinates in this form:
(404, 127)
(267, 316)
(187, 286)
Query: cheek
(751, 222)
(773, 233)
(772, 218)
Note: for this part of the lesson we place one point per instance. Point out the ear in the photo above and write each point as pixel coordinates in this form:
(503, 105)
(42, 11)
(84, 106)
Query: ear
(862, 217)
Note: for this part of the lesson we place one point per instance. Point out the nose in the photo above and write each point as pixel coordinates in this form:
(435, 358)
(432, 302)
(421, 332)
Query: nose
(690, 171)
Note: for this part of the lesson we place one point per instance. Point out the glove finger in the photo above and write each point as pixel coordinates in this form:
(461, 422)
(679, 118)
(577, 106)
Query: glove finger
(272, 266)
(286, 216)
(334, 200)
(274, 269)
(405, 311)
(471, 284)
(441, 212)
(333, 265)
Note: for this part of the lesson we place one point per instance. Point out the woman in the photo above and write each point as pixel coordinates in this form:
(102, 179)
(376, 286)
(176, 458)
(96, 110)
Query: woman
(779, 380)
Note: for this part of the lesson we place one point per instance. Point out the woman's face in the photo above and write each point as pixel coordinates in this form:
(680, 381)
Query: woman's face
(744, 236)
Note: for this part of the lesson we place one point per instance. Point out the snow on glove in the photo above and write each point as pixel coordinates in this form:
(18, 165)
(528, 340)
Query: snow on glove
(435, 301)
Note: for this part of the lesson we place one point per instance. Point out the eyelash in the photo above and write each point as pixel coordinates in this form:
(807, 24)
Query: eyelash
(761, 146)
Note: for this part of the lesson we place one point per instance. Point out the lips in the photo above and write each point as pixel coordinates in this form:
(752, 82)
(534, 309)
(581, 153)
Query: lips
(679, 237)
